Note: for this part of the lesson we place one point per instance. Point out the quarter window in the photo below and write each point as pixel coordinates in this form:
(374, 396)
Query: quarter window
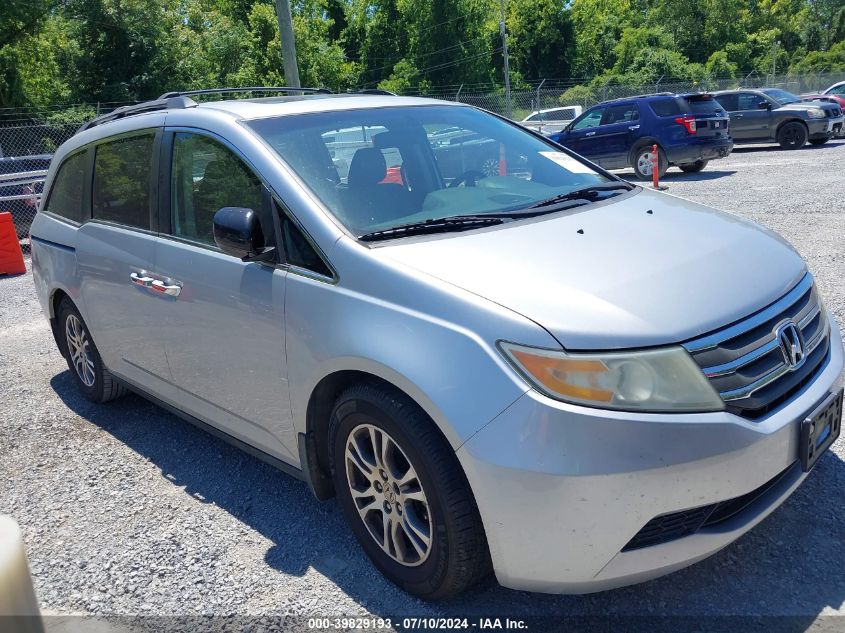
(206, 177)
(298, 250)
(66, 194)
(665, 107)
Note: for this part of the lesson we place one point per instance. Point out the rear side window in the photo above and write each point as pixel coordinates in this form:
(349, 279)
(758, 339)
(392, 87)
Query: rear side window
(66, 194)
(620, 114)
(665, 107)
(122, 177)
(728, 102)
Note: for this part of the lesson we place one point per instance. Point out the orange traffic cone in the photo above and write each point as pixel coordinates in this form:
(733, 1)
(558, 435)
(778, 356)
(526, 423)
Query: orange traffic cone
(11, 257)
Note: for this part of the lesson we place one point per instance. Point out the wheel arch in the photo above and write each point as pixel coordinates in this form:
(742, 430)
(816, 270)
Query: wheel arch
(792, 120)
(313, 444)
(58, 295)
(645, 141)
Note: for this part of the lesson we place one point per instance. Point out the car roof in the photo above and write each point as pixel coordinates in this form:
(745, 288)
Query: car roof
(303, 104)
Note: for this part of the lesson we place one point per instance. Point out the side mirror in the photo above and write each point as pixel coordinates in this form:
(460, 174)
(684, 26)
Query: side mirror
(238, 233)
(764, 105)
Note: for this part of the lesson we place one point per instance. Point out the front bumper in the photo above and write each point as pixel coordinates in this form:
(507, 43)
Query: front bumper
(562, 489)
(825, 128)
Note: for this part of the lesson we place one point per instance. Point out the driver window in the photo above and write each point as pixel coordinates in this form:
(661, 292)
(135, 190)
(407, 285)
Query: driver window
(591, 119)
(207, 176)
(749, 101)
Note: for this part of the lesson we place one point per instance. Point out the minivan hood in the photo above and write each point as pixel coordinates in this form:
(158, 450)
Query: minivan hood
(613, 275)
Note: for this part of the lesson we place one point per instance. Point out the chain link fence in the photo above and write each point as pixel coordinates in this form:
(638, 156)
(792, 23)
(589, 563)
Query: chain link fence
(29, 137)
(546, 94)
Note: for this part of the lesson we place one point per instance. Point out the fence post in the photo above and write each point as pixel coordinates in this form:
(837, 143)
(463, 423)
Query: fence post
(458, 96)
(539, 104)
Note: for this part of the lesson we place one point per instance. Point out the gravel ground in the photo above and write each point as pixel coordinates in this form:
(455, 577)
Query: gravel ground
(128, 510)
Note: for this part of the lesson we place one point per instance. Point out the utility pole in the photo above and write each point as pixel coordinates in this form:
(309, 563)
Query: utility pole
(288, 43)
(505, 54)
(774, 61)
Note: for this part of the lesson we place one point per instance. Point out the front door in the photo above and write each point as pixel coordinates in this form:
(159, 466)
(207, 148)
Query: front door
(749, 121)
(580, 137)
(224, 332)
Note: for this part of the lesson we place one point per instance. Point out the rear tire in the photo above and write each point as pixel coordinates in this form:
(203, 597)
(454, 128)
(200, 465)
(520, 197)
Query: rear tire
(818, 141)
(404, 494)
(91, 376)
(641, 162)
(694, 167)
(792, 135)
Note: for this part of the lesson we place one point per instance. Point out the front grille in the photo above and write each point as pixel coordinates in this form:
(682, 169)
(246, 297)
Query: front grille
(745, 362)
(669, 527)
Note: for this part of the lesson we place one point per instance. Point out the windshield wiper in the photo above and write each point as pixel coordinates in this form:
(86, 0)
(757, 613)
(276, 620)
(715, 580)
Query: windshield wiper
(437, 225)
(586, 193)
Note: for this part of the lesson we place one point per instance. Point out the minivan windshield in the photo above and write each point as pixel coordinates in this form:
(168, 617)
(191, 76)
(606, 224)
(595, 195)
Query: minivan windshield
(377, 169)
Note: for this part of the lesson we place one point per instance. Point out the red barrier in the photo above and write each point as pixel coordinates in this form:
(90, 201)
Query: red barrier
(11, 257)
(655, 167)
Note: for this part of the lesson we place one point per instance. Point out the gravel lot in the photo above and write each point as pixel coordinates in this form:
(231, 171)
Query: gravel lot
(128, 510)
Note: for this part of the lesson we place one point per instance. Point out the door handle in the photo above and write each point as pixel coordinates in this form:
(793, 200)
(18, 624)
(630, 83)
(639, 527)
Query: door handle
(590, 134)
(171, 290)
(633, 127)
(140, 279)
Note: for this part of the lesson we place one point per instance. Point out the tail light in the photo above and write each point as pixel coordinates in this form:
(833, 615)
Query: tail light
(688, 122)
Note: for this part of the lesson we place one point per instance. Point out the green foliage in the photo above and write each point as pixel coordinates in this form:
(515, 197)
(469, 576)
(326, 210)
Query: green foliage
(61, 51)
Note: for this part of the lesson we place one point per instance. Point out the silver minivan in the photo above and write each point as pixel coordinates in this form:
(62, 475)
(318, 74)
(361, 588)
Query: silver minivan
(495, 354)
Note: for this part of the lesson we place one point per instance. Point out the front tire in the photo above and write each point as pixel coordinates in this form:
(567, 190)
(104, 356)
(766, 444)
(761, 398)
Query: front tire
(642, 163)
(694, 167)
(87, 370)
(792, 135)
(404, 494)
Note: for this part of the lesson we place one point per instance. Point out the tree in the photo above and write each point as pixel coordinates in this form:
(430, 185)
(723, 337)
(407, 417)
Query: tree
(542, 42)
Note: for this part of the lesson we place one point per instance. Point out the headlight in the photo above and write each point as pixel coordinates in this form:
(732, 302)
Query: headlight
(665, 379)
(816, 113)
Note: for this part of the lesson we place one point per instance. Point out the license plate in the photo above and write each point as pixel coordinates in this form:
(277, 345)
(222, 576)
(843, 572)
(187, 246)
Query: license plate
(820, 429)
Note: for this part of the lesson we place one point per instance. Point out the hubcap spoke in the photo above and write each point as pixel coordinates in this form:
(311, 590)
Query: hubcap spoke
(388, 495)
(79, 349)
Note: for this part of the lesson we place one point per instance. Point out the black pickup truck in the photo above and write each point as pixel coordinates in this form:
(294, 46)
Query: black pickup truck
(772, 115)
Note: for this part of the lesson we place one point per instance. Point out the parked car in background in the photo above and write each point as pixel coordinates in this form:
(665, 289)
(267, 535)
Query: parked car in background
(831, 98)
(836, 89)
(21, 182)
(551, 120)
(688, 129)
(774, 115)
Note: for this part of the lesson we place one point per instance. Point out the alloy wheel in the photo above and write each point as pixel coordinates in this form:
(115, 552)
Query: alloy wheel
(79, 348)
(644, 164)
(388, 495)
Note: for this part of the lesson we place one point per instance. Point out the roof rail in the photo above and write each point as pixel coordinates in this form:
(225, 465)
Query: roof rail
(162, 103)
(650, 94)
(212, 91)
(373, 91)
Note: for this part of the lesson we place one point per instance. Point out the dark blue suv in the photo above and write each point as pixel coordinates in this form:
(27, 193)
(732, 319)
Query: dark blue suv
(689, 130)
